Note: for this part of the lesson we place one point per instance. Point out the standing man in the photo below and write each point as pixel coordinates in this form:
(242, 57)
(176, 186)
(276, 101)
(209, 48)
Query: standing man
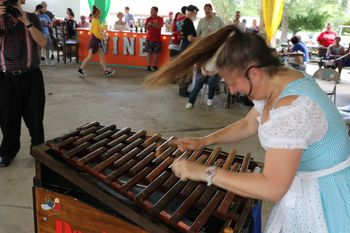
(209, 24)
(241, 26)
(22, 91)
(45, 26)
(129, 18)
(52, 18)
(153, 46)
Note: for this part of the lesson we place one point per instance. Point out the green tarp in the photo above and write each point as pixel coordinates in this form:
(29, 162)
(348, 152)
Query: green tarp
(103, 5)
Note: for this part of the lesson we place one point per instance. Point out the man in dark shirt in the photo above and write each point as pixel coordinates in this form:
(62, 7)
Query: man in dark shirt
(21, 82)
(189, 35)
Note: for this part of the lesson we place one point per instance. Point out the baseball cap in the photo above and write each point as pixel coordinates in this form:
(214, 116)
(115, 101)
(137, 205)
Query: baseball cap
(192, 8)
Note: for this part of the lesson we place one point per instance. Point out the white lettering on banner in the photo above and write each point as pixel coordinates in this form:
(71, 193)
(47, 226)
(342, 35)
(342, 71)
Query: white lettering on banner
(128, 46)
(115, 45)
(142, 46)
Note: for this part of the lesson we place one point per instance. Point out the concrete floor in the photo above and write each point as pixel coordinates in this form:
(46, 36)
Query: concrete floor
(120, 100)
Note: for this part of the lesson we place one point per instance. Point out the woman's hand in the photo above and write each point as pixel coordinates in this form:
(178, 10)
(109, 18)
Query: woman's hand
(190, 143)
(2, 8)
(187, 170)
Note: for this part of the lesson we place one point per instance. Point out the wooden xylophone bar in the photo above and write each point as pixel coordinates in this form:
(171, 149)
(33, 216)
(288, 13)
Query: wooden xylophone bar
(138, 166)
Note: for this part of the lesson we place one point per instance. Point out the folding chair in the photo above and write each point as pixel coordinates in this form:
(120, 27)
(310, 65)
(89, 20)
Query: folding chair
(68, 47)
(345, 113)
(331, 76)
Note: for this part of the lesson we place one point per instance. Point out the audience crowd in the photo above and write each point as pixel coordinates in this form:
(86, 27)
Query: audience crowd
(185, 29)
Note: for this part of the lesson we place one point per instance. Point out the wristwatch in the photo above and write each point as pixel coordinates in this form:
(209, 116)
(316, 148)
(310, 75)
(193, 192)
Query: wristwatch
(210, 172)
(29, 25)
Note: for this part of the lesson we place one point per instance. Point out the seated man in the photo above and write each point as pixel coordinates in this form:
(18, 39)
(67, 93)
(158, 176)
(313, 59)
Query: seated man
(299, 46)
(344, 60)
(335, 51)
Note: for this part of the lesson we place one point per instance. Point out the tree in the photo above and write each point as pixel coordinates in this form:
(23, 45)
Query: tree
(226, 8)
(304, 15)
(312, 21)
(251, 8)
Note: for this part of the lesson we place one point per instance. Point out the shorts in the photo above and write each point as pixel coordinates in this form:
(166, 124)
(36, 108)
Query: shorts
(151, 47)
(49, 43)
(94, 44)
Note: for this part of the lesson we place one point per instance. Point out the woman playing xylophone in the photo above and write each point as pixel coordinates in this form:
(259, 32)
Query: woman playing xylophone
(307, 146)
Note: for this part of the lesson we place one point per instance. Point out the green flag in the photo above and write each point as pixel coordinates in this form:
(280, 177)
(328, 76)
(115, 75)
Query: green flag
(103, 5)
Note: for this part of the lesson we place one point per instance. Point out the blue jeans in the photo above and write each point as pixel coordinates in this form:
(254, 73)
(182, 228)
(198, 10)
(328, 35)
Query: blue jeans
(200, 81)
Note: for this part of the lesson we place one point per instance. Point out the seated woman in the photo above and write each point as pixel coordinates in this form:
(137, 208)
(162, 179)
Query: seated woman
(121, 25)
(70, 24)
(202, 77)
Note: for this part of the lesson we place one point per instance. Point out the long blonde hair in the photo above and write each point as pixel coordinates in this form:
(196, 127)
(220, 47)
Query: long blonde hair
(233, 49)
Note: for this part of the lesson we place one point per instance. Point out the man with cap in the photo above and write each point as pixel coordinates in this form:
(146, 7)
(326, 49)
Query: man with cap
(189, 35)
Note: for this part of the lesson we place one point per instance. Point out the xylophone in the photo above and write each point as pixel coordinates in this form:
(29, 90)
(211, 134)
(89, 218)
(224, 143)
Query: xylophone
(136, 167)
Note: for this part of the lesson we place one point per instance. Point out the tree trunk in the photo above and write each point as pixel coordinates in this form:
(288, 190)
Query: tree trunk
(284, 26)
(262, 23)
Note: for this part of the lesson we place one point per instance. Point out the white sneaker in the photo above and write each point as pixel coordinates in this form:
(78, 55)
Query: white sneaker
(188, 106)
(209, 102)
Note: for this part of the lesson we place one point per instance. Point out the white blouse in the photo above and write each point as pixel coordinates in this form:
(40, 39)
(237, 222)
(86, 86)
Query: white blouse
(121, 26)
(295, 126)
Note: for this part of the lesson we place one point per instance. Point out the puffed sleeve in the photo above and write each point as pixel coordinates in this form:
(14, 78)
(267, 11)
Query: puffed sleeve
(295, 126)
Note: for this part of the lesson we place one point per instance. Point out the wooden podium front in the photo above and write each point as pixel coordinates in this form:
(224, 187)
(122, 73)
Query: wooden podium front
(59, 213)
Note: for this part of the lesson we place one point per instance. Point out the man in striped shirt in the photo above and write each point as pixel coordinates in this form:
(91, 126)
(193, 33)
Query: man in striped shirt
(22, 91)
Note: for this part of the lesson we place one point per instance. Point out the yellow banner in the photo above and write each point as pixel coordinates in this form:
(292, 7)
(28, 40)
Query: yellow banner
(272, 13)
